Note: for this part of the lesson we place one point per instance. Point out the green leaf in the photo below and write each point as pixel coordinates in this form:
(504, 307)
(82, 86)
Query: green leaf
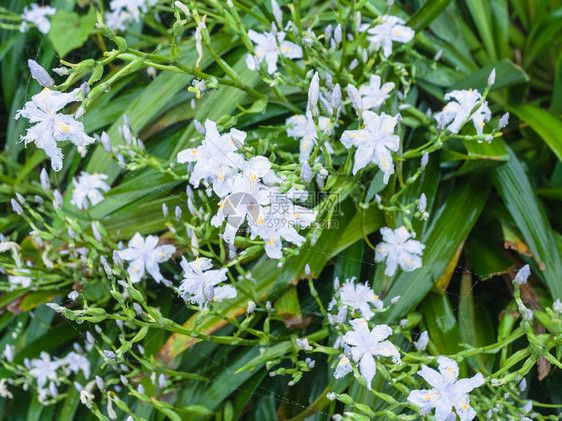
(486, 257)
(425, 14)
(441, 323)
(556, 107)
(547, 126)
(483, 156)
(482, 17)
(475, 325)
(507, 74)
(69, 31)
(449, 229)
(513, 186)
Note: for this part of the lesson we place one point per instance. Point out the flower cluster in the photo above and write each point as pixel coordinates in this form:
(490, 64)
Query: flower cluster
(123, 13)
(50, 126)
(45, 373)
(248, 190)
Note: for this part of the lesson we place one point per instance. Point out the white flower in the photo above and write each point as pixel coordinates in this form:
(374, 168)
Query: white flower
(76, 362)
(366, 344)
(86, 187)
(456, 112)
(125, 12)
(216, 159)
(557, 306)
(398, 249)
(38, 16)
(146, 254)
(267, 49)
(391, 29)
(360, 297)
(447, 392)
(279, 220)
(44, 369)
(374, 143)
(199, 282)
(302, 127)
(373, 95)
(52, 127)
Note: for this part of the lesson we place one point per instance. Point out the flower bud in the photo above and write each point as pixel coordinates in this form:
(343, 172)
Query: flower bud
(355, 97)
(492, 77)
(306, 173)
(522, 275)
(199, 127)
(335, 98)
(58, 199)
(178, 212)
(328, 32)
(424, 160)
(503, 121)
(313, 94)
(338, 34)
(45, 183)
(16, 207)
(422, 204)
(251, 307)
(40, 74)
(277, 13)
(105, 141)
(183, 8)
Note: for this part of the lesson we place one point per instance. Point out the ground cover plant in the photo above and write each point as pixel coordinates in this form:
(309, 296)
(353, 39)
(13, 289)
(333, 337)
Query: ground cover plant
(273, 209)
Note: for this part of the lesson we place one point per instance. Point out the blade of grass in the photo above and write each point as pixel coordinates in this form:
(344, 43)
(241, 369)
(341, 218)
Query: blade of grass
(514, 187)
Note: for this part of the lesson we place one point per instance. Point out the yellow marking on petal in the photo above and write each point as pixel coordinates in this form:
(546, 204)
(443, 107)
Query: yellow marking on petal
(287, 49)
(162, 254)
(260, 220)
(63, 127)
(271, 242)
(135, 270)
(74, 190)
(215, 298)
